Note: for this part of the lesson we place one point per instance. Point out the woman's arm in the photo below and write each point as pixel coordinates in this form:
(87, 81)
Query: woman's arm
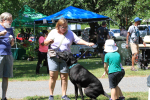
(82, 42)
(47, 42)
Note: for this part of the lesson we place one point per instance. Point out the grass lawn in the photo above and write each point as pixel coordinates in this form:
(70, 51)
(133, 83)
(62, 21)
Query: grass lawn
(25, 70)
(128, 95)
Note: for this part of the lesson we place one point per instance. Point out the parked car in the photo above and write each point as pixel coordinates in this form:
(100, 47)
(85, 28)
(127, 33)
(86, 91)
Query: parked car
(114, 32)
(144, 30)
(87, 29)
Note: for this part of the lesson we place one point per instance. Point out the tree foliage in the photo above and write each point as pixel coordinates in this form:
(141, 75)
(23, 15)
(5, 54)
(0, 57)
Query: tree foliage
(121, 11)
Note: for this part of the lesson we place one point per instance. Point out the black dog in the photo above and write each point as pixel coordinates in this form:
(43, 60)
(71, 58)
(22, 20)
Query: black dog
(82, 78)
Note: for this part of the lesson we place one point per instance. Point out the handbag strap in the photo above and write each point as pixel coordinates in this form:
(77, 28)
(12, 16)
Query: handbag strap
(62, 38)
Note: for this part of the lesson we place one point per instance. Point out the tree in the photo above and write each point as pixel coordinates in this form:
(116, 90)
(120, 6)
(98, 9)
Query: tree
(12, 6)
(121, 11)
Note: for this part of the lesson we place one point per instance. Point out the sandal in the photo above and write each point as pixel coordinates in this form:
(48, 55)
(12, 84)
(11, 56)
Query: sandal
(133, 69)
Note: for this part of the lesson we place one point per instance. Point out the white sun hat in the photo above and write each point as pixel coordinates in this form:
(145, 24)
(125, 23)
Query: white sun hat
(110, 46)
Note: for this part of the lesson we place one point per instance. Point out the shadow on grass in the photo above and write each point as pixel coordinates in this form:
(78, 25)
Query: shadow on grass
(27, 69)
(22, 68)
(91, 63)
(36, 98)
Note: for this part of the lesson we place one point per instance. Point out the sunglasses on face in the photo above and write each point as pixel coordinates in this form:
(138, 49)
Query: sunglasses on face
(63, 27)
(9, 20)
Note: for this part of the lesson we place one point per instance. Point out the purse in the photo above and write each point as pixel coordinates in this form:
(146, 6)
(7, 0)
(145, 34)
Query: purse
(52, 52)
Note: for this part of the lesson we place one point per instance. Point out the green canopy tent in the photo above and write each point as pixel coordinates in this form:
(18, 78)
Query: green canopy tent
(26, 18)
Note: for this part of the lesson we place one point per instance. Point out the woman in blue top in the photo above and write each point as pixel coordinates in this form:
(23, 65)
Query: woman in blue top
(6, 59)
(114, 72)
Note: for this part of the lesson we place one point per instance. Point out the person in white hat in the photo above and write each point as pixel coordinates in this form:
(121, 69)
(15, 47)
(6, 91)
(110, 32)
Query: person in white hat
(114, 72)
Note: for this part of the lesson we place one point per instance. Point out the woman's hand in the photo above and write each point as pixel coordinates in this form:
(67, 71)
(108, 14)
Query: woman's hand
(2, 33)
(51, 41)
(47, 42)
(12, 41)
(90, 44)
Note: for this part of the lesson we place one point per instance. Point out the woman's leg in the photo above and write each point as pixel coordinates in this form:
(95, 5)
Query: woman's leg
(64, 82)
(40, 58)
(52, 80)
(46, 62)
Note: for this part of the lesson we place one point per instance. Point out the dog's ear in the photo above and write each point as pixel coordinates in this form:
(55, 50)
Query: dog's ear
(72, 58)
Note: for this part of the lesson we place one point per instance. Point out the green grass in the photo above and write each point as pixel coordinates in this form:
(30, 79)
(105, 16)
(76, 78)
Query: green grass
(128, 95)
(24, 70)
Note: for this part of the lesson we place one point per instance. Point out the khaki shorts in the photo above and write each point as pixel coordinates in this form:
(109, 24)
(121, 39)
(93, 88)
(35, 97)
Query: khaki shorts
(6, 66)
(134, 48)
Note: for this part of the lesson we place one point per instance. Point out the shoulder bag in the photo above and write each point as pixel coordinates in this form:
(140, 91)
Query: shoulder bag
(52, 52)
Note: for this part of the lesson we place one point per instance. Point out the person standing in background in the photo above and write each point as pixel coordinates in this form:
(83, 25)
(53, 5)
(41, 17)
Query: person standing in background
(6, 59)
(102, 36)
(134, 34)
(123, 32)
(42, 53)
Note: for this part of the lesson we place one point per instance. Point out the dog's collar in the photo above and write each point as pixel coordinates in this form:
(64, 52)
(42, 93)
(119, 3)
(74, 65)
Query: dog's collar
(72, 65)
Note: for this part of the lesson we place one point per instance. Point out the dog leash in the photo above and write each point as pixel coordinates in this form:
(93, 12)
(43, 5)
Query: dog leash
(82, 55)
(94, 46)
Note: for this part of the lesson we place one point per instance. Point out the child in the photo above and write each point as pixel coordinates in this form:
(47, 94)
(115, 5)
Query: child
(120, 93)
(114, 72)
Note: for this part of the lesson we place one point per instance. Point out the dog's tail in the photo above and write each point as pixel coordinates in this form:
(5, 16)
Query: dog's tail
(105, 94)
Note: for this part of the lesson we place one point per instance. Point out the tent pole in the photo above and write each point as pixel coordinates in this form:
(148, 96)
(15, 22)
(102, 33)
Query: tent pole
(15, 37)
(76, 29)
(34, 38)
(109, 24)
(34, 32)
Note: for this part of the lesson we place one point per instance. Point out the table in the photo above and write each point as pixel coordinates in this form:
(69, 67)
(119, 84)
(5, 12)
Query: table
(141, 47)
(18, 53)
(75, 49)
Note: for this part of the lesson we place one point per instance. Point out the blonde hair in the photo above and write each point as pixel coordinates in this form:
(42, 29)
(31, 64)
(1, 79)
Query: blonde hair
(60, 22)
(5, 16)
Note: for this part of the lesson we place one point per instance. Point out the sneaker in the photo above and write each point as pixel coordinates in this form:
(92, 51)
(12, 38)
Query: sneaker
(65, 98)
(121, 98)
(133, 69)
(51, 98)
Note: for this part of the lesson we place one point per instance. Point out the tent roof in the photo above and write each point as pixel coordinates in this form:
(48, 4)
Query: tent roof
(26, 18)
(74, 15)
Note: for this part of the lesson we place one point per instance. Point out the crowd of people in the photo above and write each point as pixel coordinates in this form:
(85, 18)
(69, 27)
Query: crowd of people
(61, 39)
